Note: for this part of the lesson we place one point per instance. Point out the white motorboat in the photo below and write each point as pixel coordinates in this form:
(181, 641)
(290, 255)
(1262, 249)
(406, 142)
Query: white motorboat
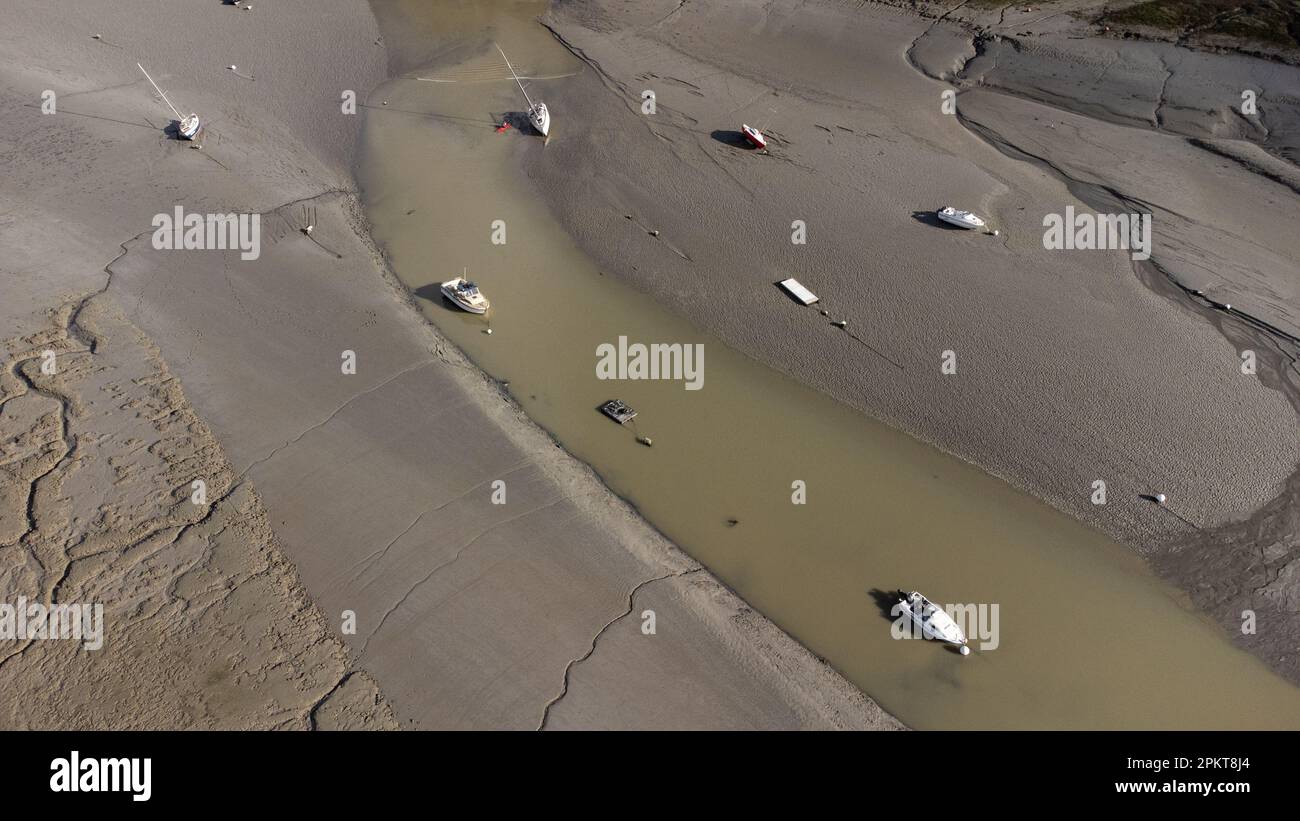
(933, 621)
(466, 295)
(961, 219)
(538, 114)
(754, 136)
(186, 127)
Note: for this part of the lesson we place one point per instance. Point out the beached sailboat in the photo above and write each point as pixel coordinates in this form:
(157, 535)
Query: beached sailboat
(754, 136)
(465, 295)
(932, 620)
(961, 219)
(538, 114)
(186, 127)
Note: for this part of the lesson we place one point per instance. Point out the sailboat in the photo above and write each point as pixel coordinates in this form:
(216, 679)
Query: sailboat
(186, 127)
(754, 136)
(537, 112)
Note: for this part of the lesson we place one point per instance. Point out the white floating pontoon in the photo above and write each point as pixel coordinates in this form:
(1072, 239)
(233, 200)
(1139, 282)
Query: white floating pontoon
(797, 291)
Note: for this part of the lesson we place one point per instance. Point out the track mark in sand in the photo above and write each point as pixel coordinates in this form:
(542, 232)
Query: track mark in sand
(864, 343)
(368, 561)
(681, 4)
(455, 558)
(1101, 75)
(631, 605)
(655, 233)
(691, 87)
(417, 366)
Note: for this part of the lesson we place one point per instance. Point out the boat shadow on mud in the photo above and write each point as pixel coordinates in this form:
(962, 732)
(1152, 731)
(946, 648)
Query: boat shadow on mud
(931, 219)
(733, 138)
(433, 293)
(519, 121)
(172, 131)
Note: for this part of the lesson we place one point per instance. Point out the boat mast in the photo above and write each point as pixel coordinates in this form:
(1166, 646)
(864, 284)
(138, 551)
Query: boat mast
(179, 116)
(516, 76)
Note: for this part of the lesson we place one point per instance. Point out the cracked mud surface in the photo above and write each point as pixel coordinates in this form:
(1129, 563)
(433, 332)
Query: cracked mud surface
(206, 624)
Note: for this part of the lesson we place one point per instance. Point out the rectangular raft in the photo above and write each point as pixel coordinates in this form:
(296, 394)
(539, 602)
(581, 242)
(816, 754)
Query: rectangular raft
(797, 291)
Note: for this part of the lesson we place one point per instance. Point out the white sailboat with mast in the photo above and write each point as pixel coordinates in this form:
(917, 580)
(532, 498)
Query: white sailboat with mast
(186, 127)
(538, 115)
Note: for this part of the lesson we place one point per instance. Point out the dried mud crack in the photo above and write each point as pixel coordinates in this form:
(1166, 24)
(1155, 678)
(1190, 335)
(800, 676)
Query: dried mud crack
(205, 623)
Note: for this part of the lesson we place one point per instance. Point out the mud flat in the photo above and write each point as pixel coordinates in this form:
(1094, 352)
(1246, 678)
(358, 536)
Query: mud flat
(673, 206)
(206, 623)
(332, 497)
(1080, 366)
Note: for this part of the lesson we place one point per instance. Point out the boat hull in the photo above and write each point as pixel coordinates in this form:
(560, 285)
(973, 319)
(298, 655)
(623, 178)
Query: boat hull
(930, 632)
(189, 127)
(753, 136)
(962, 219)
(540, 117)
(939, 626)
(449, 292)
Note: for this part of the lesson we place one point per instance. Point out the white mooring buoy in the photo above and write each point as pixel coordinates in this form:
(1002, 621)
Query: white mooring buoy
(965, 651)
(1160, 498)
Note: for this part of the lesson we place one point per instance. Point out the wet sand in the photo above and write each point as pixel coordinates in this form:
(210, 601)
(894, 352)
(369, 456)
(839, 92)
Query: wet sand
(206, 621)
(883, 510)
(376, 487)
(366, 494)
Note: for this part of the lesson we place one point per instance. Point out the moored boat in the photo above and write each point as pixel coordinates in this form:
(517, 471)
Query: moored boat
(538, 114)
(931, 619)
(754, 136)
(618, 410)
(187, 128)
(465, 295)
(540, 117)
(961, 219)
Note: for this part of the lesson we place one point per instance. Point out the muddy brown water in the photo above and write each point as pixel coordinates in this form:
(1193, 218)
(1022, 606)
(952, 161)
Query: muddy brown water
(1087, 638)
